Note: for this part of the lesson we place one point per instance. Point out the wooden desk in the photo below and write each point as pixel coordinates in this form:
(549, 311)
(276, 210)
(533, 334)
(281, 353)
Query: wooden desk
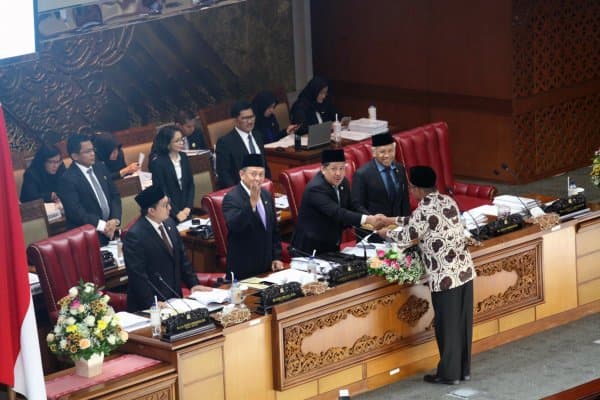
(368, 333)
(154, 382)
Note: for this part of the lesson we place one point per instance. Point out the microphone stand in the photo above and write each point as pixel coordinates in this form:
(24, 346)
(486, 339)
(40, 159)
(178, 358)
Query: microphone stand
(160, 278)
(161, 295)
(511, 173)
(476, 224)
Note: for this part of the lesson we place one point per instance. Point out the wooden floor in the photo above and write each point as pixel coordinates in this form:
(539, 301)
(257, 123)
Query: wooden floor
(587, 391)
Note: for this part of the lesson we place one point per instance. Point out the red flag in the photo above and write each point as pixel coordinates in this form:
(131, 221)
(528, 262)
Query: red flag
(18, 333)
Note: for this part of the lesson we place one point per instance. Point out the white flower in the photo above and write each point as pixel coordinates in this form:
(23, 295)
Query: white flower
(57, 329)
(88, 289)
(61, 319)
(50, 337)
(90, 320)
(81, 308)
(74, 311)
(114, 322)
(107, 319)
(105, 298)
(112, 339)
(73, 292)
(70, 321)
(63, 344)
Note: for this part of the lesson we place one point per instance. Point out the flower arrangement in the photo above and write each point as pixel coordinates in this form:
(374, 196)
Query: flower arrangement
(595, 174)
(402, 266)
(86, 324)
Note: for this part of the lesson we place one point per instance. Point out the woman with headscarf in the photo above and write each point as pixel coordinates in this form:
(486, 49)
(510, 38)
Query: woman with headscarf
(40, 180)
(313, 106)
(263, 105)
(109, 151)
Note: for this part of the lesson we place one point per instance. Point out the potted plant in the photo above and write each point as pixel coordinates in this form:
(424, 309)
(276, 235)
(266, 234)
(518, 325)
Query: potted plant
(86, 330)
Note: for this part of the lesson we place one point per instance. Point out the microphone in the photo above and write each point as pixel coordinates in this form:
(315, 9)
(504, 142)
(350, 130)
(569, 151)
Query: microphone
(476, 224)
(161, 295)
(510, 171)
(363, 240)
(177, 295)
(294, 250)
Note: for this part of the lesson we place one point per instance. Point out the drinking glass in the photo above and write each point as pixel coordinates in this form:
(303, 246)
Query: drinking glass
(155, 321)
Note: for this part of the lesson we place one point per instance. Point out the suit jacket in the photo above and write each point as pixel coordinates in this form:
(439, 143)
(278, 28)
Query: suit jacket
(164, 176)
(230, 152)
(321, 219)
(436, 224)
(40, 184)
(79, 200)
(196, 140)
(147, 257)
(369, 191)
(251, 247)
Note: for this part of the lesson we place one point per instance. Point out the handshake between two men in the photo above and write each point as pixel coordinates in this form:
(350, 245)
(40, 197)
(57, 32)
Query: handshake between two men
(380, 223)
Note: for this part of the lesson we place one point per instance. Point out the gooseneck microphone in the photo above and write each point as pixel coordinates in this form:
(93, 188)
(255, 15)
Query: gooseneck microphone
(504, 166)
(476, 224)
(177, 295)
(363, 242)
(161, 294)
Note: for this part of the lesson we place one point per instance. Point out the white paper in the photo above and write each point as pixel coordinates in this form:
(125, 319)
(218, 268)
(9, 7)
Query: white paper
(131, 322)
(141, 159)
(486, 209)
(286, 141)
(301, 264)
(355, 135)
(145, 179)
(214, 296)
(290, 275)
(53, 212)
(184, 305)
(281, 202)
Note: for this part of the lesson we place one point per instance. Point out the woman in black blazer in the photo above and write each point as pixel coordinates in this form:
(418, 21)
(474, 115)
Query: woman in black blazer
(40, 180)
(171, 171)
(109, 151)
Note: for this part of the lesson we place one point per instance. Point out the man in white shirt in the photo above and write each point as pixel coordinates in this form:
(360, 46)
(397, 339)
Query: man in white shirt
(242, 140)
(87, 191)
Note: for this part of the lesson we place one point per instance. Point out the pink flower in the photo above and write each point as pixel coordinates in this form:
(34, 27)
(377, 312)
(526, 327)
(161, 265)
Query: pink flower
(380, 253)
(75, 304)
(395, 265)
(408, 260)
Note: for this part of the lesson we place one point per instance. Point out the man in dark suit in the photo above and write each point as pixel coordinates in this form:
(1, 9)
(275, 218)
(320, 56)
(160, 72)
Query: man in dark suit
(155, 255)
(327, 208)
(193, 138)
(254, 244)
(232, 147)
(87, 191)
(379, 186)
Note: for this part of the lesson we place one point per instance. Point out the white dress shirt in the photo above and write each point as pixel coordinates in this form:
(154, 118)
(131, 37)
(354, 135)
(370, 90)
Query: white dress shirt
(84, 170)
(244, 136)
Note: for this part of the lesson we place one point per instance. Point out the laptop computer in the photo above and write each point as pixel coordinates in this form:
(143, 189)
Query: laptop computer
(318, 135)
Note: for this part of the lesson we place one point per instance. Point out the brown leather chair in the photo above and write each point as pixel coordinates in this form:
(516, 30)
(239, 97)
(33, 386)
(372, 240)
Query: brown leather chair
(428, 145)
(63, 260)
(213, 204)
(216, 121)
(294, 180)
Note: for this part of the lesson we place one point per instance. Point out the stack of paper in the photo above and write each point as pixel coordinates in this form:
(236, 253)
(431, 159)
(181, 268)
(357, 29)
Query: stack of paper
(286, 141)
(281, 202)
(131, 322)
(355, 135)
(301, 264)
(516, 204)
(53, 212)
(372, 126)
(214, 296)
(474, 219)
(290, 275)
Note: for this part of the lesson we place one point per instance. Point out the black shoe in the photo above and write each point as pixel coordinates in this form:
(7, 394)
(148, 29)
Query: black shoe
(438, 379)
(466, 378)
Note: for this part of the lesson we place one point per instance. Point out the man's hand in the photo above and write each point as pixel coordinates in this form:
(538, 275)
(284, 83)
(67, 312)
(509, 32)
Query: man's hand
(383, 233)
(200, 288)
(254, 194)
(183, 214)
(110, 228)
(277, 265)
(291, 128)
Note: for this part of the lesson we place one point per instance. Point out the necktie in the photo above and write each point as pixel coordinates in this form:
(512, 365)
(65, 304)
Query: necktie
(165, 239)
(391, 187)
(337, 193)
(251, 144)
(100, 194)
(261, 212)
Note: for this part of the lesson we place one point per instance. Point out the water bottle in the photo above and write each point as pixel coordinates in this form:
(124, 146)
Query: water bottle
(372, 112)
(235, 292)
(311, 267)
(297, 141)
(337, 131)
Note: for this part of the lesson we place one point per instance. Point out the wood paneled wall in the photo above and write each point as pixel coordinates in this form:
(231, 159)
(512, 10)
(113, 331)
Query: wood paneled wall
(517, 81)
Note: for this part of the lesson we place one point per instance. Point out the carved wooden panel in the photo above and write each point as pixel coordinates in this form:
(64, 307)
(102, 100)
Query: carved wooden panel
(556, 138)
(523, 260)
(556, 44)
(144, 72)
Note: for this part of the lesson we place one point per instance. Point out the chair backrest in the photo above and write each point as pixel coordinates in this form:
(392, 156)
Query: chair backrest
(294, 180)
(213, 204)
(428, 145)
(282, 115)
(34, 221)
(62, 260)
(361, 153)
(129, 188)
(203, 175)
(216, 121)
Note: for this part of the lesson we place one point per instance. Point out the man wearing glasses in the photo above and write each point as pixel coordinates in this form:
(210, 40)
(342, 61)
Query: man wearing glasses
(232, 147)
(87, 191)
